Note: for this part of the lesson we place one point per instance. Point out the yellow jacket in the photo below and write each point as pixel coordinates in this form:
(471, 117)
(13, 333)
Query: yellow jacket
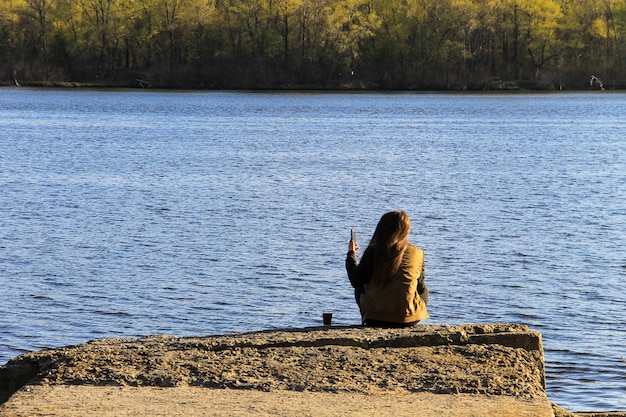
(397, 299)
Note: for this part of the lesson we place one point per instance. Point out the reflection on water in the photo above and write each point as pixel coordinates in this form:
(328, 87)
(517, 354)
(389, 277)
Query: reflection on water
(129, 213)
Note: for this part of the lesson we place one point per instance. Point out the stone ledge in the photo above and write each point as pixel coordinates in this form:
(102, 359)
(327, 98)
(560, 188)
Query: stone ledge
(489, 359)
(471, 368)
(107, 401)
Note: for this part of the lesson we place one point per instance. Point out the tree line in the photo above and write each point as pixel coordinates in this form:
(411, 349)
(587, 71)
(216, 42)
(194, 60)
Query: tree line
(388, 44)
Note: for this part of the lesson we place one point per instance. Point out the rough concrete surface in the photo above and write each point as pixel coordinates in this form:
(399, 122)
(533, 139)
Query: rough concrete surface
(482, 370)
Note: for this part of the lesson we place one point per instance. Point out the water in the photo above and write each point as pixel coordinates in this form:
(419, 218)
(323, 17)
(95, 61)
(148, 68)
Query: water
(128, 213)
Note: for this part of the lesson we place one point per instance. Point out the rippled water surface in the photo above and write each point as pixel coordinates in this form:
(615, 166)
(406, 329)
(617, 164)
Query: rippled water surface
(128, 213)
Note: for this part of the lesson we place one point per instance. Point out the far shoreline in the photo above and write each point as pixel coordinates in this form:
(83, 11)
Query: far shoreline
(520, 86)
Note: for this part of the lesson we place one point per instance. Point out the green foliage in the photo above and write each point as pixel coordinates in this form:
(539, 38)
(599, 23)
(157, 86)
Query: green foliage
(422, 44)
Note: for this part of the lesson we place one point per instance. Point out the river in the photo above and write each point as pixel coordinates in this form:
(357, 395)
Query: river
(128, 213)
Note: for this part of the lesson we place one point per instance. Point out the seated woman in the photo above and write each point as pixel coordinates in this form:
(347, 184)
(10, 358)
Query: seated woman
(389, 281)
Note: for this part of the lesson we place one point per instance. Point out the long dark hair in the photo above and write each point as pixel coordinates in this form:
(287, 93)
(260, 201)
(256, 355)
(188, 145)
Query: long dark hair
(388, 244)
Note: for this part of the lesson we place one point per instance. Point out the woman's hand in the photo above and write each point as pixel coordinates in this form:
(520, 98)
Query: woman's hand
(352, 246)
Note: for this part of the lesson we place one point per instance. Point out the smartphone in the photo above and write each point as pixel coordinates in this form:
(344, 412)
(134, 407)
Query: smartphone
(353, 235)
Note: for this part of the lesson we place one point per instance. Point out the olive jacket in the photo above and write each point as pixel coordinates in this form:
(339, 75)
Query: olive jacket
(398, 299)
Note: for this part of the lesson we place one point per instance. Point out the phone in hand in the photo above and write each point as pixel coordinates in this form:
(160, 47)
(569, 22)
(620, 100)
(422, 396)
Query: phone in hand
(353, 235)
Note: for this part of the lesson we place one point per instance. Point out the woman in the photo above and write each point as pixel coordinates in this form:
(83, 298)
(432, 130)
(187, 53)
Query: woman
(389, 281)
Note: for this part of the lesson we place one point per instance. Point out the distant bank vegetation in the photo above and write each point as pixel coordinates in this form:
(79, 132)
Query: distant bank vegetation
(389, 44)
